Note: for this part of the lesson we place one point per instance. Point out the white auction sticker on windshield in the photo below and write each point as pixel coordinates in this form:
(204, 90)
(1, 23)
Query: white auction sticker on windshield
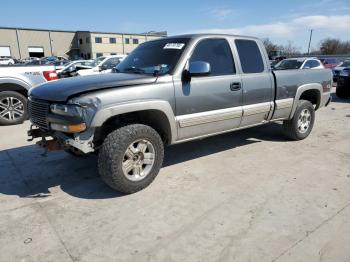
(174, 46)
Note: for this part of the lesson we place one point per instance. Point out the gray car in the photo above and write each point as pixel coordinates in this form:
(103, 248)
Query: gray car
(170, 91)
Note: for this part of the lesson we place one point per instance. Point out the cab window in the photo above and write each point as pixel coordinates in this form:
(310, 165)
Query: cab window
(217, 53)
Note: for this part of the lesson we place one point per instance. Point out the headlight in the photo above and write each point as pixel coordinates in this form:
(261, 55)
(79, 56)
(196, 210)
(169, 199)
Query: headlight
(66, 110)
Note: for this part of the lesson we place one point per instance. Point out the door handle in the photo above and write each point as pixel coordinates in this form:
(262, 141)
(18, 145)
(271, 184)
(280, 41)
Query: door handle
(235, 86)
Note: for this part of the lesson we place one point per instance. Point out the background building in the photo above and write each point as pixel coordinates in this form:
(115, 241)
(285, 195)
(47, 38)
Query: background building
(21, 43)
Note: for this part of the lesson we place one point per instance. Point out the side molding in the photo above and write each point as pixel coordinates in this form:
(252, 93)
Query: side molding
(209, 116)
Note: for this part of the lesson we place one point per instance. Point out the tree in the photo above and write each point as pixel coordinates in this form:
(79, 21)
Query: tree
(289, 49)
(270, 46)
(333, 46)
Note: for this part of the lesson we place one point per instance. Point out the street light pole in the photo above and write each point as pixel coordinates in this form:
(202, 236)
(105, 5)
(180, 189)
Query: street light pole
(308, 49)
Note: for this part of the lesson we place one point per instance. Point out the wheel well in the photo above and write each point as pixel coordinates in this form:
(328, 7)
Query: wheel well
(153, 118)
(14, 87)
(312, 95)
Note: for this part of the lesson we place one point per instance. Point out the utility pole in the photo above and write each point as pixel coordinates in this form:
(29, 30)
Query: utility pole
(308, 50)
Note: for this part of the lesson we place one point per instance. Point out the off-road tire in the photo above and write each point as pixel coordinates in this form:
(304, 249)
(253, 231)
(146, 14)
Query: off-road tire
(291, 126)
(112, 152)
(21, 98)
(342, 92)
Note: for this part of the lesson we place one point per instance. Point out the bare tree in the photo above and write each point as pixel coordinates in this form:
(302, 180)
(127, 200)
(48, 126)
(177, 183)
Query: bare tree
(270, 46)
(290, 49)
(333, 46)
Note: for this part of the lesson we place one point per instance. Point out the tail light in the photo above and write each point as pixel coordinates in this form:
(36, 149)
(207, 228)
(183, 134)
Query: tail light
(50, 75)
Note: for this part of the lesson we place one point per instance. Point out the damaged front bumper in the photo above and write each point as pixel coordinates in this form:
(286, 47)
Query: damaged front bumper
(53, 140)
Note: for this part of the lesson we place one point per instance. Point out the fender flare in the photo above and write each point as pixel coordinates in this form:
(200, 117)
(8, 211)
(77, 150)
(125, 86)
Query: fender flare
(103, 114)
(301, 89)
(15, 81)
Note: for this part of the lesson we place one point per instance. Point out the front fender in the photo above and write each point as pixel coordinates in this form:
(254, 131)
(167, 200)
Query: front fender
(103, 114)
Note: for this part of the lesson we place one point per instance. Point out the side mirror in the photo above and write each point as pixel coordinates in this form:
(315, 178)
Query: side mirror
(102, 68)
(72, 68)
(199, 68)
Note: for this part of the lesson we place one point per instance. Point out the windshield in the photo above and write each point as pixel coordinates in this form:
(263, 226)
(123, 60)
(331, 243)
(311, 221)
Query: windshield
(345, 64)
(289, 64)
(156, 57)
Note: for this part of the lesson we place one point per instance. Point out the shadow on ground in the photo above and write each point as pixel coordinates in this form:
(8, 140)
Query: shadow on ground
(336, 99)
(25, 173)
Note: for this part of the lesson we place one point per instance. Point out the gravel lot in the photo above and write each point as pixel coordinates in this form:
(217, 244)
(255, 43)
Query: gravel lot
(244, 196)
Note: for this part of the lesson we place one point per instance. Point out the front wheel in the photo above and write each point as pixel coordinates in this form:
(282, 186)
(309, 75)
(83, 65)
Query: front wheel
(300, 126)
(130, 158)
(13, 108)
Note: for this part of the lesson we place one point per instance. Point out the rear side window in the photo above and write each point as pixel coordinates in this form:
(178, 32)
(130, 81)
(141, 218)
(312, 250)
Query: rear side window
(308, 64)
(250, 56)
(217, 53)
(315, 63)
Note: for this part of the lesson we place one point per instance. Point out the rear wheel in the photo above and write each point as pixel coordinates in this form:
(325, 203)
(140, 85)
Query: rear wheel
(300, 126)
(131, 157)
(13, 108)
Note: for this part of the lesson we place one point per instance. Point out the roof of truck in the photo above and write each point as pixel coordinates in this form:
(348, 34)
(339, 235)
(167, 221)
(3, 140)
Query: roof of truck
(209, 34)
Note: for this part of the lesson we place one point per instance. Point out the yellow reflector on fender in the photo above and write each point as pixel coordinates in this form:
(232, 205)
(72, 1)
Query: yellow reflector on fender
(76, 128)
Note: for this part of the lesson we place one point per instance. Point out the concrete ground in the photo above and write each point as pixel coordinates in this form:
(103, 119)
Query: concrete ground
(251, 195)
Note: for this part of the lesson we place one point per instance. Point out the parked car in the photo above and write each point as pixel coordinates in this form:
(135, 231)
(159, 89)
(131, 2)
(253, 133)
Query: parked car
(59, 64)
(298, 63)
(329, 62)
(71, 68)
(15, 81)
(168, 91)
(336, 70)
(37, 62)
(103, 66)
(7, 61)
(30, 59)
(343, 84)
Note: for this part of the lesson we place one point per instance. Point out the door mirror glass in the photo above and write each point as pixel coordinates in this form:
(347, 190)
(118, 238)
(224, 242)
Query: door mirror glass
(199, 68)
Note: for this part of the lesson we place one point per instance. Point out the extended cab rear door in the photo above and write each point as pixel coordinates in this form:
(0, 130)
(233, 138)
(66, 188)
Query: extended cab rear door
(211, 103)
(257, 81)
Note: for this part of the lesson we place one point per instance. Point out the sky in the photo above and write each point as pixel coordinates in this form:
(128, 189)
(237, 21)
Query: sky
(281, 21)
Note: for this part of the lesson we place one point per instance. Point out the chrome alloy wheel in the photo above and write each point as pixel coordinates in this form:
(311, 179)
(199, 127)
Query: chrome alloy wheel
(138, 160)
(304, 120)
(11, 108)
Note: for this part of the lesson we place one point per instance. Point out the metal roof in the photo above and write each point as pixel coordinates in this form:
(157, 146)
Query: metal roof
(151, 33)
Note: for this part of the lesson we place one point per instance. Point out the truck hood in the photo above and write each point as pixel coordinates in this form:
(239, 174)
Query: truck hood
(62, 90)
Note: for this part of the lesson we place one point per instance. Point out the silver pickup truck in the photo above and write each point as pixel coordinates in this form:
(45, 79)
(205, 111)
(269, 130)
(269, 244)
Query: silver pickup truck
(15, 81)
(171, 91)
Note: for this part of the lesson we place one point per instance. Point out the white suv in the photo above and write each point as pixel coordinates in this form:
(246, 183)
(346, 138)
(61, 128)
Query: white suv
(6, 61)
(299, 63)
(103, 65)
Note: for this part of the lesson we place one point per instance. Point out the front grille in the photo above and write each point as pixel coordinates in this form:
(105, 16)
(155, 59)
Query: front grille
(38, 111)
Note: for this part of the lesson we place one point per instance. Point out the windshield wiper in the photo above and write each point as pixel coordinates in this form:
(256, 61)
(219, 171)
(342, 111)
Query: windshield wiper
(134, 70)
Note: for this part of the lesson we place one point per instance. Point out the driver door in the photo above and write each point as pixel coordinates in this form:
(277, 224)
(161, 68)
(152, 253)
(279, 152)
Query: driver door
(213, 103)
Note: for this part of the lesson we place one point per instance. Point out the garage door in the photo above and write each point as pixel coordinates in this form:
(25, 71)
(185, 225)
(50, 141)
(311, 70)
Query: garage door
(36, 51)
(5, 51)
